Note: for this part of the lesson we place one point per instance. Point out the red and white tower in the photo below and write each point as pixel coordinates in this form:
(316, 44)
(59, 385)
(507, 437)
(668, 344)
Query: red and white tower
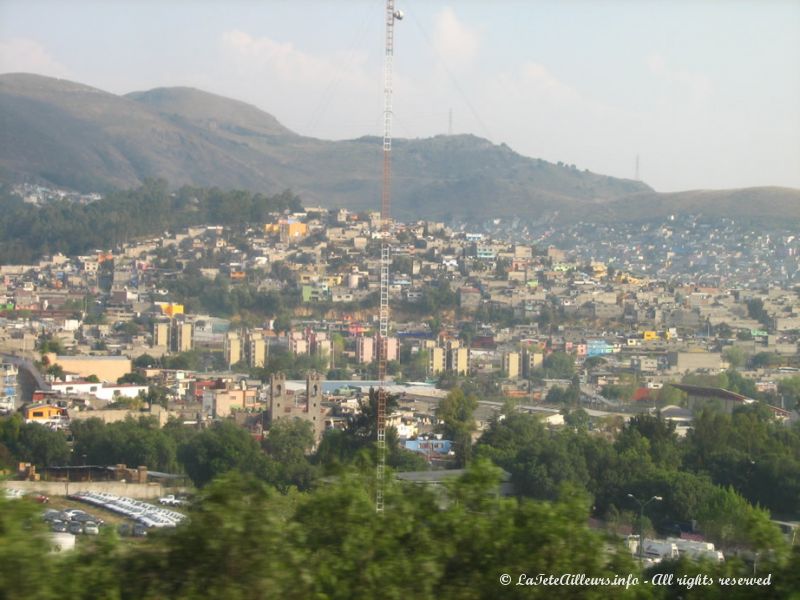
(392, 15)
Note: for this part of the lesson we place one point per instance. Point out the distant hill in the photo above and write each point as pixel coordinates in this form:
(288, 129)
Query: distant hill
(762, 204)
(71, 135)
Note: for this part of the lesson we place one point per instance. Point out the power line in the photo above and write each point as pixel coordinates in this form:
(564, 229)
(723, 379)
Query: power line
(452, 77)
(328, 94)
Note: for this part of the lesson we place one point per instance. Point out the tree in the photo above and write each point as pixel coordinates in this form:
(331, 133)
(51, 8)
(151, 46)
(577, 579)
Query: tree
(669, 395)
(33, 442)
(287, 444)
(51, 345)
(741, 385)
(735, 356)
(132, 378)
(559, 365)
(132, 442)
(578, 418)
(56, 372)
(337, 349)
(660, 433)
(501, 268)
(245, 541)
(145, 361)
(158, 395)
(789, 389)
(74, 228)
(729, 520)
(765, 359)
(221, 448)
(594, 361)
(415, 367)
(456, 422)
(555, 395)
(24, 541)
(755, 310)
(723, 330)
(237, 546)
(128, 328)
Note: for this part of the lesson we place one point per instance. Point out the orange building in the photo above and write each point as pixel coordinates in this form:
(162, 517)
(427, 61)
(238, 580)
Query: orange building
(44, 413)
(288, 229)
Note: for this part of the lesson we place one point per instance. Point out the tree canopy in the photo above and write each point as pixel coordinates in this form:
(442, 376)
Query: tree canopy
(72, 228)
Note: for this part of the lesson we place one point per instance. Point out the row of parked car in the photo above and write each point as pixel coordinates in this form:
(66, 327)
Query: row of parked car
(146, 514)
(74, 521)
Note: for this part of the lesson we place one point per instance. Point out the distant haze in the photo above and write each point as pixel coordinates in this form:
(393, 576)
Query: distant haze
(706, 93)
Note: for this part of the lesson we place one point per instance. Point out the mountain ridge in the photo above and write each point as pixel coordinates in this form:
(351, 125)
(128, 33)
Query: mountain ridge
(72, 135)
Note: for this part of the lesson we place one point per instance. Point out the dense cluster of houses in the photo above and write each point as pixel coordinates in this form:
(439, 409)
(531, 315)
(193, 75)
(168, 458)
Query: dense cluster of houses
(465, 304)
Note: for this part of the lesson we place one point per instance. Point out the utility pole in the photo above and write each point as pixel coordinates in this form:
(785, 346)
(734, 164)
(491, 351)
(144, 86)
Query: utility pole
(391, 16)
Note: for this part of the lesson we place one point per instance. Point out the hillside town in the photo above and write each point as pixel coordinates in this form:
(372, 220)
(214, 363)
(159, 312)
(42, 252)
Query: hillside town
(200, 324)
(527, 328)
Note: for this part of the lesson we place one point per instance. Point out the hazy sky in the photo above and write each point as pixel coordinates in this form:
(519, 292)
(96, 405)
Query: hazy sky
(706, 92)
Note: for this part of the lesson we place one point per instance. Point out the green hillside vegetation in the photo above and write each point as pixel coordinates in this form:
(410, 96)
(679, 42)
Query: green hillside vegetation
(27, 232)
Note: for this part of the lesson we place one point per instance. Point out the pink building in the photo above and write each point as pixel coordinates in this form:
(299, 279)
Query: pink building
(365, 350)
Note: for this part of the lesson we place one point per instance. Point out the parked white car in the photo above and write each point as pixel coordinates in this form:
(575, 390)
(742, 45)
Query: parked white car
(171, 500)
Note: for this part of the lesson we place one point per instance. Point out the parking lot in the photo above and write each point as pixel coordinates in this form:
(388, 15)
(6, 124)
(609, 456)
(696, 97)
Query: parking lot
(86, 514)
(143, 513)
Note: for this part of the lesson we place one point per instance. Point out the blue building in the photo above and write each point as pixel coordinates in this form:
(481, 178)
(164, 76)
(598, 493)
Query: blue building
(8, 387)
(598, 348)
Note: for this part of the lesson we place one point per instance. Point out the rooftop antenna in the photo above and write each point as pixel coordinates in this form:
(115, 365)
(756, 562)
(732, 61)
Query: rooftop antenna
(391, 16)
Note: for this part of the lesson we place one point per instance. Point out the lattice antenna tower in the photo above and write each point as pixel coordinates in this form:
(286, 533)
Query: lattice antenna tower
(392, 15)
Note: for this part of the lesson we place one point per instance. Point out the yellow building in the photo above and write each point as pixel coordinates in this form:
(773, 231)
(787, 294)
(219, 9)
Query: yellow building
(161, 333)
(436, 360)
(43, 413)
(650, 335)
(170, 309)
(183, 337)
(458, 360)
(511, 364)
(233, 348)
(256, 349)
(288, 229)
(293, 230)
(599, 269)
